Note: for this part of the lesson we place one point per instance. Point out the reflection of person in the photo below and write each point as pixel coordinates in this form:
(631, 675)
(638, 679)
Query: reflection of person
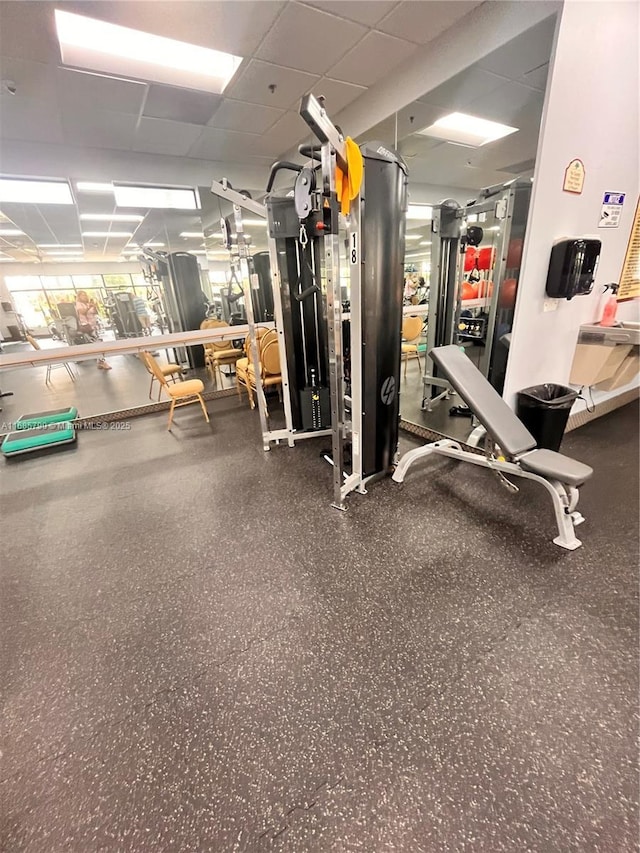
(87, 312)
(140, 307)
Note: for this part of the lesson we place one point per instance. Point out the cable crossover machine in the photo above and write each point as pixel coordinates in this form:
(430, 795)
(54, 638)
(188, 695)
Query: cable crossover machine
(336, 242)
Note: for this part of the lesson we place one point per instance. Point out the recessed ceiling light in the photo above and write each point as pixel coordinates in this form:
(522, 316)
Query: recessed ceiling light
(107, 234)
(420, 211)
(93, 187)
(99, 46)
(464, 129)
(162, 197)
(191, 234)
(10, 232)
(35, 192)
(111, 217)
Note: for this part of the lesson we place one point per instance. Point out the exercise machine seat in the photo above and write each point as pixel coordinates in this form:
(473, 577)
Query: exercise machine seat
(484, 401)
(555, 466)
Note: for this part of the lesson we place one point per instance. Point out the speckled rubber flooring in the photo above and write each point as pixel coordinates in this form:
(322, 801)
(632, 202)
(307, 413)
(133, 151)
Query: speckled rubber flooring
(199, 654)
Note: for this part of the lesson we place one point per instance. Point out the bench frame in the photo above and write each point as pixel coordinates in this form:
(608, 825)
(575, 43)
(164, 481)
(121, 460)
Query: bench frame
(565, 498)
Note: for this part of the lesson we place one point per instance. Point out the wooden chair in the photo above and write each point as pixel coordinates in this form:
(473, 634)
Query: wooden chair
(169, 371)
(34, 343)
(218, 353)
(242, 364)
(181, 393)
(269, 370)
(411, 332)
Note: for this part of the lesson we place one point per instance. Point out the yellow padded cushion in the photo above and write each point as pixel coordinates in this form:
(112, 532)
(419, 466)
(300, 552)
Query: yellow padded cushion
(218, 355)
(186, 388)
(409, 348)
(170, 369)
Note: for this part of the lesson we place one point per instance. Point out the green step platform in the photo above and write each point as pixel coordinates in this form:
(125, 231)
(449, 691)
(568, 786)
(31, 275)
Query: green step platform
(37, 438)
(41, 419)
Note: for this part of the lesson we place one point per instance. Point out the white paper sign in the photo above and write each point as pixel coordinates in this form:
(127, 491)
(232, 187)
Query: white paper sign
(611, 210)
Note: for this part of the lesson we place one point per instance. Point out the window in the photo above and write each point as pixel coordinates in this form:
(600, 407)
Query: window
(23, 282)
(117, 281)
(57, 282)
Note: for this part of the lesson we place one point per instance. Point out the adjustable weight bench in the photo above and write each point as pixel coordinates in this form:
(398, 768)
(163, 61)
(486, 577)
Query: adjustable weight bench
(560, 475)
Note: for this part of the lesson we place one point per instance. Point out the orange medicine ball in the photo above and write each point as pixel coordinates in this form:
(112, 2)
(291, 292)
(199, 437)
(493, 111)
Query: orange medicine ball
(469, 291)
(508, 293)
(514, 253)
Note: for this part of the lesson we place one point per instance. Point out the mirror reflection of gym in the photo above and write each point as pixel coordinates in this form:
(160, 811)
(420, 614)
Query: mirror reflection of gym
(468, 205)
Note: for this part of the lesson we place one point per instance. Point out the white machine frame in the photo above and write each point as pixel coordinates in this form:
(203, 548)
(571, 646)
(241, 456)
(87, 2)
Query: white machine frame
(565, 498)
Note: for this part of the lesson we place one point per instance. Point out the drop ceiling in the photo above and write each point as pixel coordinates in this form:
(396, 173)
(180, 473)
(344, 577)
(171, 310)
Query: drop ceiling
(335, 49)
(506, 86)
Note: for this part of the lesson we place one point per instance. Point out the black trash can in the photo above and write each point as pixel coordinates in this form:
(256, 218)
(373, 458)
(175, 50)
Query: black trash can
(544, 410)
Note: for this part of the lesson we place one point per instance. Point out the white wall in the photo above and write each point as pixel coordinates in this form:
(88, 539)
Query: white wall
(591, 113)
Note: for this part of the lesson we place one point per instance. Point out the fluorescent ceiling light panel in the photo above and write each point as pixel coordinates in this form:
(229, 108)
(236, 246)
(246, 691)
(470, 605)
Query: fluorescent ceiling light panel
(93, 187)
(10, 232)
(162, 197)
(420, 211)
(464, 129)
(425, 243)
(107, 234)
(112, 49)
(413, 236)
(255, 222)
(35, 192)
(110, 217)
(152, 245)
(191, 234)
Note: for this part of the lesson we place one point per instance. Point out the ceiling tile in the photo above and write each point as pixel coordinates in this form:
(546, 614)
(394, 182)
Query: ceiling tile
(368, 13)
(27, 31)
(159, 136)
(287, 132)
(253, 85)
(309, 40)
(372, 58)
(29, 119)
(99, 128)
(33, 79)
(215, 144)
(511, 104)
(463, 89)
(79, 90)
(240, 115)
(537, 77)
(185, 105)
(336, 93)
(421, 22)
(527, 51)
(215, 24)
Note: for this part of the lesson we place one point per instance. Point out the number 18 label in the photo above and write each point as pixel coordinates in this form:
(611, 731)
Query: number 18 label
(353, 247)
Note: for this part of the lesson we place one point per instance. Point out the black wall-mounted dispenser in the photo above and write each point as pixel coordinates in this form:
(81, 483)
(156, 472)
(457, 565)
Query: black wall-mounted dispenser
(572, 268)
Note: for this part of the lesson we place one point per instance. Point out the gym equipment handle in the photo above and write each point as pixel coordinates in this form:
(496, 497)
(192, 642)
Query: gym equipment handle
(309, 151)
(308, 292)
(277, 167)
